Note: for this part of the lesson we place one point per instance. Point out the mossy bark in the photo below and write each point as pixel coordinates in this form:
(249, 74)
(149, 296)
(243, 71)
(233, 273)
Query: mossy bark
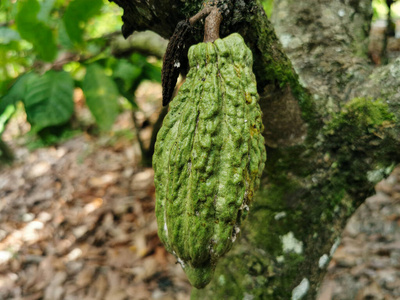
(309, 191)
(329, 139)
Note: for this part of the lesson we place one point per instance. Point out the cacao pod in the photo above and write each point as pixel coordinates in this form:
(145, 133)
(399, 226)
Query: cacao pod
(209, 156)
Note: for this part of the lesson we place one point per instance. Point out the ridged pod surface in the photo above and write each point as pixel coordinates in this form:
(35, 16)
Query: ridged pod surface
(209, 156)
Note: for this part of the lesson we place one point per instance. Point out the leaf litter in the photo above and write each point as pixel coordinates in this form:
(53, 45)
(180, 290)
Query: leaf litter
(77, 222)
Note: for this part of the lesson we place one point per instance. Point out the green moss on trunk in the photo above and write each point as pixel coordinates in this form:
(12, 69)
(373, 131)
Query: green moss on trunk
(309, 193)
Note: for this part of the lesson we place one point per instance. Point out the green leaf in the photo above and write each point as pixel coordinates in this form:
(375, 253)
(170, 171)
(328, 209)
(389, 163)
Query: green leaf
(63, 37)
(8, 10)
(48, 100)
(16, 92)
(76, 16)
(35, 31)
(149, 71)
(8, 35)
(127, 72)
(9, 100)
(45, 9)
(127, 76)
(152, 73)
(5, 116)
(101, 96)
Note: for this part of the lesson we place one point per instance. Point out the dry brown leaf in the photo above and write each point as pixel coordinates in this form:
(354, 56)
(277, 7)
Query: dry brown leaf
(85, 277)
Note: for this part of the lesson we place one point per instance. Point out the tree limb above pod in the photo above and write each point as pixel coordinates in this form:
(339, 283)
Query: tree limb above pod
(275, 75)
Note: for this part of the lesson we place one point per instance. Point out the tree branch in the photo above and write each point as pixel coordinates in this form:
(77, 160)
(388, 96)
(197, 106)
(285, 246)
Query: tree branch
(160, 16)
(276, 78)
(147, 42)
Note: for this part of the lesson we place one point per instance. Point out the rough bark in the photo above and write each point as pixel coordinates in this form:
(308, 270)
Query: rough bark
(327, 43)
(329, 139)
(275, 75)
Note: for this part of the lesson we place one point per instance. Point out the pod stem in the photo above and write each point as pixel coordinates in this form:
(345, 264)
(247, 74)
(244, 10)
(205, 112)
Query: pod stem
(212, 23)
(211, 27)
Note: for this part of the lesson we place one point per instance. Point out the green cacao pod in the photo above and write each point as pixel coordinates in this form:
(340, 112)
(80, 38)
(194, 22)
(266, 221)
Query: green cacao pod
(209, 156)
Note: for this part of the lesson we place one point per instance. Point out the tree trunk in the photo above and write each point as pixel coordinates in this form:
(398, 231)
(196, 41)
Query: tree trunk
(331, 135)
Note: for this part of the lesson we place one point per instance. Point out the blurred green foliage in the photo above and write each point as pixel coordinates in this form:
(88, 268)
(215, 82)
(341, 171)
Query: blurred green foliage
(381, 9)
(48, 48)
(268, 6)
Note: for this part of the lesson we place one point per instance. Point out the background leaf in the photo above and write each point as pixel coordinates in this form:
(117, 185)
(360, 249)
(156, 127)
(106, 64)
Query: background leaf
(45, 9)
(149, 71)
(63, 37)
(101, 95)
(35, 31)
(126, 72)
(7, 35)
(16, 92)
(127, 77)
(5, 116)
(77, 14)
(48, 100)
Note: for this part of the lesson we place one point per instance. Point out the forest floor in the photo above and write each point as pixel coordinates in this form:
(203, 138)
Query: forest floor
(77, 219)
(77, 222)
(366, 265)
